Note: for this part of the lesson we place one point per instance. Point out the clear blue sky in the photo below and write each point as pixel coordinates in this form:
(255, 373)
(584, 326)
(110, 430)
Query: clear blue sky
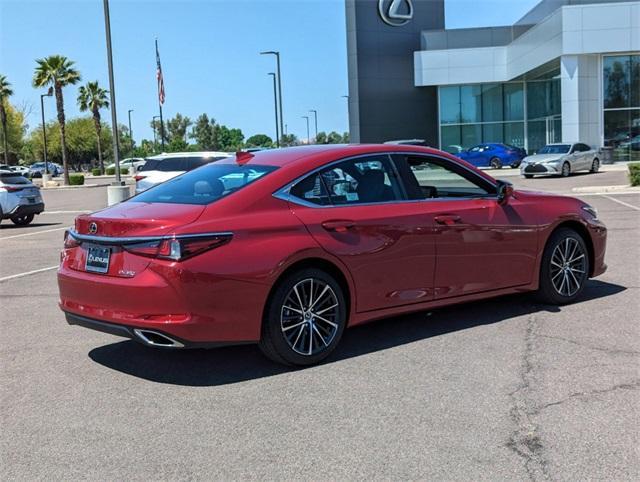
(209, 51)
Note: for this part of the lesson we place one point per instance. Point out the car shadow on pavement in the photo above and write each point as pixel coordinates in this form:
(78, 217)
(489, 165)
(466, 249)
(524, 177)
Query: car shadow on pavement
(235, 364)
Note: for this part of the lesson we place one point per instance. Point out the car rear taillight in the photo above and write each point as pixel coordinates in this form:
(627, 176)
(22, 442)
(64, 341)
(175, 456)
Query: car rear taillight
(139, 178)
(11, 188)
(70, 241)
(178, 248)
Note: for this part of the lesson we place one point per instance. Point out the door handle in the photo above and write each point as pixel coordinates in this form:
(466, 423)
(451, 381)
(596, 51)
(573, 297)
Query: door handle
(338, 225)
(448, 219)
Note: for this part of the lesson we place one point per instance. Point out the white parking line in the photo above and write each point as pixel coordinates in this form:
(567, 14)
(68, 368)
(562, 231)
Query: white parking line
(27, 273)
(33, 233)
(622, 202)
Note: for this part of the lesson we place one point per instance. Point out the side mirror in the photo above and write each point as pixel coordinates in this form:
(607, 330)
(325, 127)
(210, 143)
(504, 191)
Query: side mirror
(505, 191)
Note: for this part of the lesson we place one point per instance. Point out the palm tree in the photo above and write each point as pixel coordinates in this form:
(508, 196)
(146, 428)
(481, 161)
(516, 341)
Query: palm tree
(93, 97)
(5, 93)
(57, 71)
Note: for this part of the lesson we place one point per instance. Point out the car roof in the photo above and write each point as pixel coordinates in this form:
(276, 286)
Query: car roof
(168, 155)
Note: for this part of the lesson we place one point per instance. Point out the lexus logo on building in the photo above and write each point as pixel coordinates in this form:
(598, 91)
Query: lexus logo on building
(93, 228)
(395, 12)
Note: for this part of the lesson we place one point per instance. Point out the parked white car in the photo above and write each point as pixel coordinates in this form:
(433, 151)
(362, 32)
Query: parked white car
(161, 168)
(132, 163)
(20, 199)
(561, 159)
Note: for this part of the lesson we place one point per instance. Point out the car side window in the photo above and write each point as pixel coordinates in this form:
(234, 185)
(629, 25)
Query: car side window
(430, 178)
(356, 181)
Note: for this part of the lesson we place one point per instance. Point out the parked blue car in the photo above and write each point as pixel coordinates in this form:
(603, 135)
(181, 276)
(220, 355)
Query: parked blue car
(37, 169)
(493, 155)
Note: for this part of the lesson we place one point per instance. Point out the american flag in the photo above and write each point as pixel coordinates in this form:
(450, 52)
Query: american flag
(159, 77)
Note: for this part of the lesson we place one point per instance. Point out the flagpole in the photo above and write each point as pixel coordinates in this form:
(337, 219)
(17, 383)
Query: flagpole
(159, 101)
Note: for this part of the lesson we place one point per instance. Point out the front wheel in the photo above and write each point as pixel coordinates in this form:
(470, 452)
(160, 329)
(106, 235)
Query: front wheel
(528, 176)
(22, 220)
(305, 318)
(495, 163)
(566, 170)
(595, 165)
(565, 267)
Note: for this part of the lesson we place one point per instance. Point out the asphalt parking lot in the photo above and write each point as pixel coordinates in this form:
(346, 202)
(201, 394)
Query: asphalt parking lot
(504, 389)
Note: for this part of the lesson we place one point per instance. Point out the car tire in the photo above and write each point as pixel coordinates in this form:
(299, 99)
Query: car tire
(311, 338)
(566, 170)
(528, 176)
(565, 268)
(595, 166)
(495, 163)
(22, 220)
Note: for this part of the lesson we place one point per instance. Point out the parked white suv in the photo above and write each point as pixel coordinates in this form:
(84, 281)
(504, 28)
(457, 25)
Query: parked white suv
(562, 158)
(161, 168)
(20, 199)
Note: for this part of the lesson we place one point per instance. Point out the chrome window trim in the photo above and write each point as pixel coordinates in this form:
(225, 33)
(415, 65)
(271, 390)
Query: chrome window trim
(111, 241)
(284, 193)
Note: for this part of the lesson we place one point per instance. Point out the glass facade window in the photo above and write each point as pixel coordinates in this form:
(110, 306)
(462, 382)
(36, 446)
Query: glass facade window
(482, 113)
(621, 102)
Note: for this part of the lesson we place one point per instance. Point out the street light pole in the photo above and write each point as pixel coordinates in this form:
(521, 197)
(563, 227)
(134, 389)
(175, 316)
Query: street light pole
(277, 54)
(130, 131)
(275, 107)
(44, 129)
(307, 118)
(114, 119)
(315, 115)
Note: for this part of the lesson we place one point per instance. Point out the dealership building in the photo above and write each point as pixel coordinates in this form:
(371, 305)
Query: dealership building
(569, 70)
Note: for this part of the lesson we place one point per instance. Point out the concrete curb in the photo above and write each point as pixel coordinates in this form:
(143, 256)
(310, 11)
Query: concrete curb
(51, 188)
(606, 189)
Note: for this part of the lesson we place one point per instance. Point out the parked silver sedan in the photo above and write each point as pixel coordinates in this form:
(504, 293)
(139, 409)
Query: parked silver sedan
(561, 159)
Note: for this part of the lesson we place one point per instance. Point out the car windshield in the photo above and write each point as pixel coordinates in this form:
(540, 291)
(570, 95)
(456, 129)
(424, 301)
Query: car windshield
(555, 149)
(204, 185)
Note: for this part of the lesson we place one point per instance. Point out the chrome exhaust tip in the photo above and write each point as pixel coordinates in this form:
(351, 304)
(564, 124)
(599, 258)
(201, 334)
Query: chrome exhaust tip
(153, 338)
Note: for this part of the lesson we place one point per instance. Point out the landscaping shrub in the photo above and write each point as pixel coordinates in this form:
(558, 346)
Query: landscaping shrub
(124, 171)
(95, 171)
(76, 179)
(634, 173)
(111, 171)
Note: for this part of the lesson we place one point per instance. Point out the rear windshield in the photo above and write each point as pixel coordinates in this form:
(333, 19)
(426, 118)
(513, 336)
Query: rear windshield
(204, 186)
(177, 163)
(12, 178)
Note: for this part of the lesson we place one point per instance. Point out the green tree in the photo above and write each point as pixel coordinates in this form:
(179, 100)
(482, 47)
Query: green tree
(334, 138)
(288, 140)
(204, 133)
(57, 71)
(177, 127)
(12, 133)
(321, 138)
(228, 139)
(158, 131)
(81, 142)
(345, 138)
(92, 97)
(259, 140)
(5, 93)
(145, 149)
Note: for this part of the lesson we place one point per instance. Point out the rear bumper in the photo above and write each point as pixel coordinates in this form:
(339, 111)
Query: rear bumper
(143, 336)
(25, 209)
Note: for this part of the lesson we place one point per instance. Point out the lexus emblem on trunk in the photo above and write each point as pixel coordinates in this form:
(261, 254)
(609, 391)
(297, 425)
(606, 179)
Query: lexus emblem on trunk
(93, 228)
(390, 14)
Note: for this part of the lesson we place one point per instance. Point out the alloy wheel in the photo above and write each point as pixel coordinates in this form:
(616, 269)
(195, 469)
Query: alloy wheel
(566, 169)
(568, 267)
(595, 166)
(309, 317)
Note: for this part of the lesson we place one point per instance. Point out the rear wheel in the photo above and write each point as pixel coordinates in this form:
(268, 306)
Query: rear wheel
(528, 176)
(495, 163)
(305, 318)
(565, 267)
(595, 165)
(566, 170)
(22, 220)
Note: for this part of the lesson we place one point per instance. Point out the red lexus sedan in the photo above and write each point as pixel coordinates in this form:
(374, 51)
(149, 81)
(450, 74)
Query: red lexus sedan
(288, 247)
